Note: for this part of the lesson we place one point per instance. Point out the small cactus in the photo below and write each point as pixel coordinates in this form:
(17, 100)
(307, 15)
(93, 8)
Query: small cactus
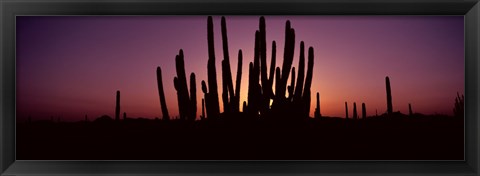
(117, 106)
(346, 110)
(364, 111)
(317, 109)
(212, 99)
(389, 96)
(355, 111)
(161, 94)
(410, 113)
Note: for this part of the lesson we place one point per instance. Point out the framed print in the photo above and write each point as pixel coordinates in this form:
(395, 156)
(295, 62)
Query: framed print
(305, 87)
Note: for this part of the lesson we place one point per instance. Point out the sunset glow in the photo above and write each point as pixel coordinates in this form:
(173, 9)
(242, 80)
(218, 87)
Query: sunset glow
(72, 66)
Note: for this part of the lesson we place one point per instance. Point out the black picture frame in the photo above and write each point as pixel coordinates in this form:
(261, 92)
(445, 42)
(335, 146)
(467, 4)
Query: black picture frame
(11, 8)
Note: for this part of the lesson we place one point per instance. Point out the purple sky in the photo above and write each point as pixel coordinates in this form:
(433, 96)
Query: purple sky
(72, 66)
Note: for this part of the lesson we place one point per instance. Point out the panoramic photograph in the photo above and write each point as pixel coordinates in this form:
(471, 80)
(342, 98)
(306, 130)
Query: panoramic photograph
(240, 88)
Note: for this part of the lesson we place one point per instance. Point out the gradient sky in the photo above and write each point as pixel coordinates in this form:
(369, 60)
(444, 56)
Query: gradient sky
(72, 65)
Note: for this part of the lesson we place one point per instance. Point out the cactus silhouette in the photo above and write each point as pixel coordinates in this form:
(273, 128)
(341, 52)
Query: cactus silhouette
(389, 96)
(207, 100)
(266, 86)
(260, 83)
(124, 116)
(187, 105)
(291, 87)
(236, 101)
(226, 107)
(245, 108)
(301, 74)
(346, 110)
(308, 83)
(410, 113)
(228, 95)
(281, 82)
(117, 106)
(213, 107)
(193, 98)
(253, 91)
(355, 111)
(202, 117)
(161, 94)
(364, 111)
(180, 83)
(272, 71)
(317, 109)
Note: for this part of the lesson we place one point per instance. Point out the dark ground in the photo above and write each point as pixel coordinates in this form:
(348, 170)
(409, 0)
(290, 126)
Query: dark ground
(381, 138)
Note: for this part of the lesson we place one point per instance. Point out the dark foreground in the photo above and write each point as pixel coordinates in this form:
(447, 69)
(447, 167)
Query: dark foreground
(395, 138)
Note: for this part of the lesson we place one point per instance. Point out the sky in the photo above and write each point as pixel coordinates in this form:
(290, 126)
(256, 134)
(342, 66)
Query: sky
(72, 66)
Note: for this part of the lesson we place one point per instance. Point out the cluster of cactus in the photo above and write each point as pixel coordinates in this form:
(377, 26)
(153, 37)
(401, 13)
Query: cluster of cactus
(458, 109)
(187, 104)
(355, 114)
(211, 93)
(230, 97)
(260, 95)
(260, 84)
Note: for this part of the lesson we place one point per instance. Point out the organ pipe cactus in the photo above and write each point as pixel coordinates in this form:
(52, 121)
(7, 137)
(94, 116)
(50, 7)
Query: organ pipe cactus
(187, 105)
(236, 101)
(364, 111)
(308, 83)
(346, 110)
(228, 95)
(212, 98)
(389, 96)
(291, 87)
(161, 94)
(317, 109)
(355, 111)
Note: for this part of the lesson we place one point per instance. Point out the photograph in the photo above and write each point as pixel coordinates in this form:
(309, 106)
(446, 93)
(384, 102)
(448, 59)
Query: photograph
(240, 87)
